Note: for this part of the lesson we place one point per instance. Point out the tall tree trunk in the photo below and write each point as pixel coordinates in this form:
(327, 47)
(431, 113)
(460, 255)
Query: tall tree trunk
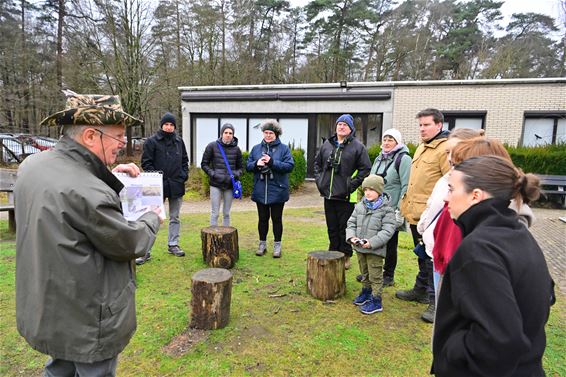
(178, 33)
(563, 58)
(25, 73)
(59, 64)
(223, 52)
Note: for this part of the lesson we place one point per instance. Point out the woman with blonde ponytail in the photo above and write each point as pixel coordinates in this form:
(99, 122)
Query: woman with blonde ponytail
(496, 292)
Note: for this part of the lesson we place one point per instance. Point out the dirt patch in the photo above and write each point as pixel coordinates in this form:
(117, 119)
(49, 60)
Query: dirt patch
(303, 219)
(255, 331)
(185, 342)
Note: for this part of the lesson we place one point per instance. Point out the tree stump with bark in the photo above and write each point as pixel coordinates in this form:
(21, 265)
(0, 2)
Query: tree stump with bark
(220, 246)
(212, 293)
(326, 277)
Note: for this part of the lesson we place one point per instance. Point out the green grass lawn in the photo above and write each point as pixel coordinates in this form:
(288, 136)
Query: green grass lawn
(291, 335)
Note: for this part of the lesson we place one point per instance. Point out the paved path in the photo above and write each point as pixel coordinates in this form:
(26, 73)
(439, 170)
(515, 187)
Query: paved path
(550, 234)
(548, 230)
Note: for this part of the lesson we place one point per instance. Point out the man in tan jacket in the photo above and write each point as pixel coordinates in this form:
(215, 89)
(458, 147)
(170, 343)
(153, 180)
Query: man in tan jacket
(430, 163)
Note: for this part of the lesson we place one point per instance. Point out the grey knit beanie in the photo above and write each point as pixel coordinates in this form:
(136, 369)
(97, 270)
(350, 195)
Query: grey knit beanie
(225, 126)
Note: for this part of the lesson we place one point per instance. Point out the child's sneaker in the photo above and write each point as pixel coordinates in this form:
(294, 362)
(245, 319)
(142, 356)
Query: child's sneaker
(372, 306)
(363, 297)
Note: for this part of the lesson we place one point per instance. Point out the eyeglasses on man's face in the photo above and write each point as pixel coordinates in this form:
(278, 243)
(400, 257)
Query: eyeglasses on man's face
(122, 140)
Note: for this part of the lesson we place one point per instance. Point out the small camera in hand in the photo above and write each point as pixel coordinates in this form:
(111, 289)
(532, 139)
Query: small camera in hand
(360, 242)
(265, 169)
(333, 163)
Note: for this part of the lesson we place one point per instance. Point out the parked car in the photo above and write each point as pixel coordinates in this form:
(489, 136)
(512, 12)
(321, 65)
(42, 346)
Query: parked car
(14, 151)
(137, 143)
(40, 142)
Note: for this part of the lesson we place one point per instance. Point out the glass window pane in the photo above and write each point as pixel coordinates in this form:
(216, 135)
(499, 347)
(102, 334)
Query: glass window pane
(537, 132)
(375, 124)
(474, 123)
(255, 134)
(239, 130)
(295, 132)
(206, 131)
(326, 127)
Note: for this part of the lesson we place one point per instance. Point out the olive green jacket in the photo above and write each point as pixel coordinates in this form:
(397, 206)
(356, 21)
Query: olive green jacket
(74, 279)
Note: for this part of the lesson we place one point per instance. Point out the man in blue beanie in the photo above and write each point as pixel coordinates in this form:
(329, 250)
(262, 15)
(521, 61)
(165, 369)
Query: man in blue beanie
(165, 151)
(340, 166)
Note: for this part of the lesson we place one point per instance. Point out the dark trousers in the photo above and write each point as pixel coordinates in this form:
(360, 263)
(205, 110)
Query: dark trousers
(424, 280)
(337, 213)
(391, 256)
(65, 368)
(264, 212)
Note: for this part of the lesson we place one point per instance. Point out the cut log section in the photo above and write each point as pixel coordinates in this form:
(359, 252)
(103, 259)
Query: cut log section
(326, 277)
(220, 246)
(212, 293)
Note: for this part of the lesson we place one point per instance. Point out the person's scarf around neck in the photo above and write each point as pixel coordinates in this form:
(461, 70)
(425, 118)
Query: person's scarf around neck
(167, 135)
(392, 152)
(373, 205)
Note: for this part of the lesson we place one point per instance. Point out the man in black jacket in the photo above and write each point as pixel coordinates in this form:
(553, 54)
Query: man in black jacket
(340, 166)
(214, 166)
(165, 152)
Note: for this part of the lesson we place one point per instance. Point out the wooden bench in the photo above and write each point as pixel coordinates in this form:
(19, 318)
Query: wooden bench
(7, 183)
(553, 185)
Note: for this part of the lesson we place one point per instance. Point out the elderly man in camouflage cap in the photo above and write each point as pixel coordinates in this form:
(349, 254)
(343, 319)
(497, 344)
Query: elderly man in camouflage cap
(74, 279)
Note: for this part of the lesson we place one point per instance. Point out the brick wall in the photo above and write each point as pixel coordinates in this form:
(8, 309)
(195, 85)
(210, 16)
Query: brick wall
(505, 105)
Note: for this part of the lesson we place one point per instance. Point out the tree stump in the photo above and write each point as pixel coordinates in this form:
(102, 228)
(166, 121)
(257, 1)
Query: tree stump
(326, 277)
(212, 293)
(220, 246)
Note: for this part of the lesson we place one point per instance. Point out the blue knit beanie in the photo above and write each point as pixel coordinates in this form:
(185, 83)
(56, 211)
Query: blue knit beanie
(348, 119)
(168, 118)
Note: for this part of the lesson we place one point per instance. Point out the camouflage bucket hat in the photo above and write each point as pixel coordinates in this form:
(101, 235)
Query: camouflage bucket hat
(91, 110)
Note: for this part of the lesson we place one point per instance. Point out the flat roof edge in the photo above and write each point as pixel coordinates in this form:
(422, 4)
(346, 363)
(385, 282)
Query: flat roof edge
(377, 84)
(270, 96)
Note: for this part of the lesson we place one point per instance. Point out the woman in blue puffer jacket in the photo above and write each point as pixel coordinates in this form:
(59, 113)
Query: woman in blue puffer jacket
(271, 162)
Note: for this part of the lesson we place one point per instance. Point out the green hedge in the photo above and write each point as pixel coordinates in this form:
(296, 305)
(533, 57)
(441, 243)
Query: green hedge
(374, 150)
(550, 159)
(198, 180)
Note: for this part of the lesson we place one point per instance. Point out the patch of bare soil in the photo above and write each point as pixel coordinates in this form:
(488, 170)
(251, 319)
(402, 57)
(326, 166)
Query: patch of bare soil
(185, 342)
(304, 219)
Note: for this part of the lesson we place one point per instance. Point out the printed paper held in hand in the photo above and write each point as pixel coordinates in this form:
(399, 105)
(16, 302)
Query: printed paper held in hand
(141, 194)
